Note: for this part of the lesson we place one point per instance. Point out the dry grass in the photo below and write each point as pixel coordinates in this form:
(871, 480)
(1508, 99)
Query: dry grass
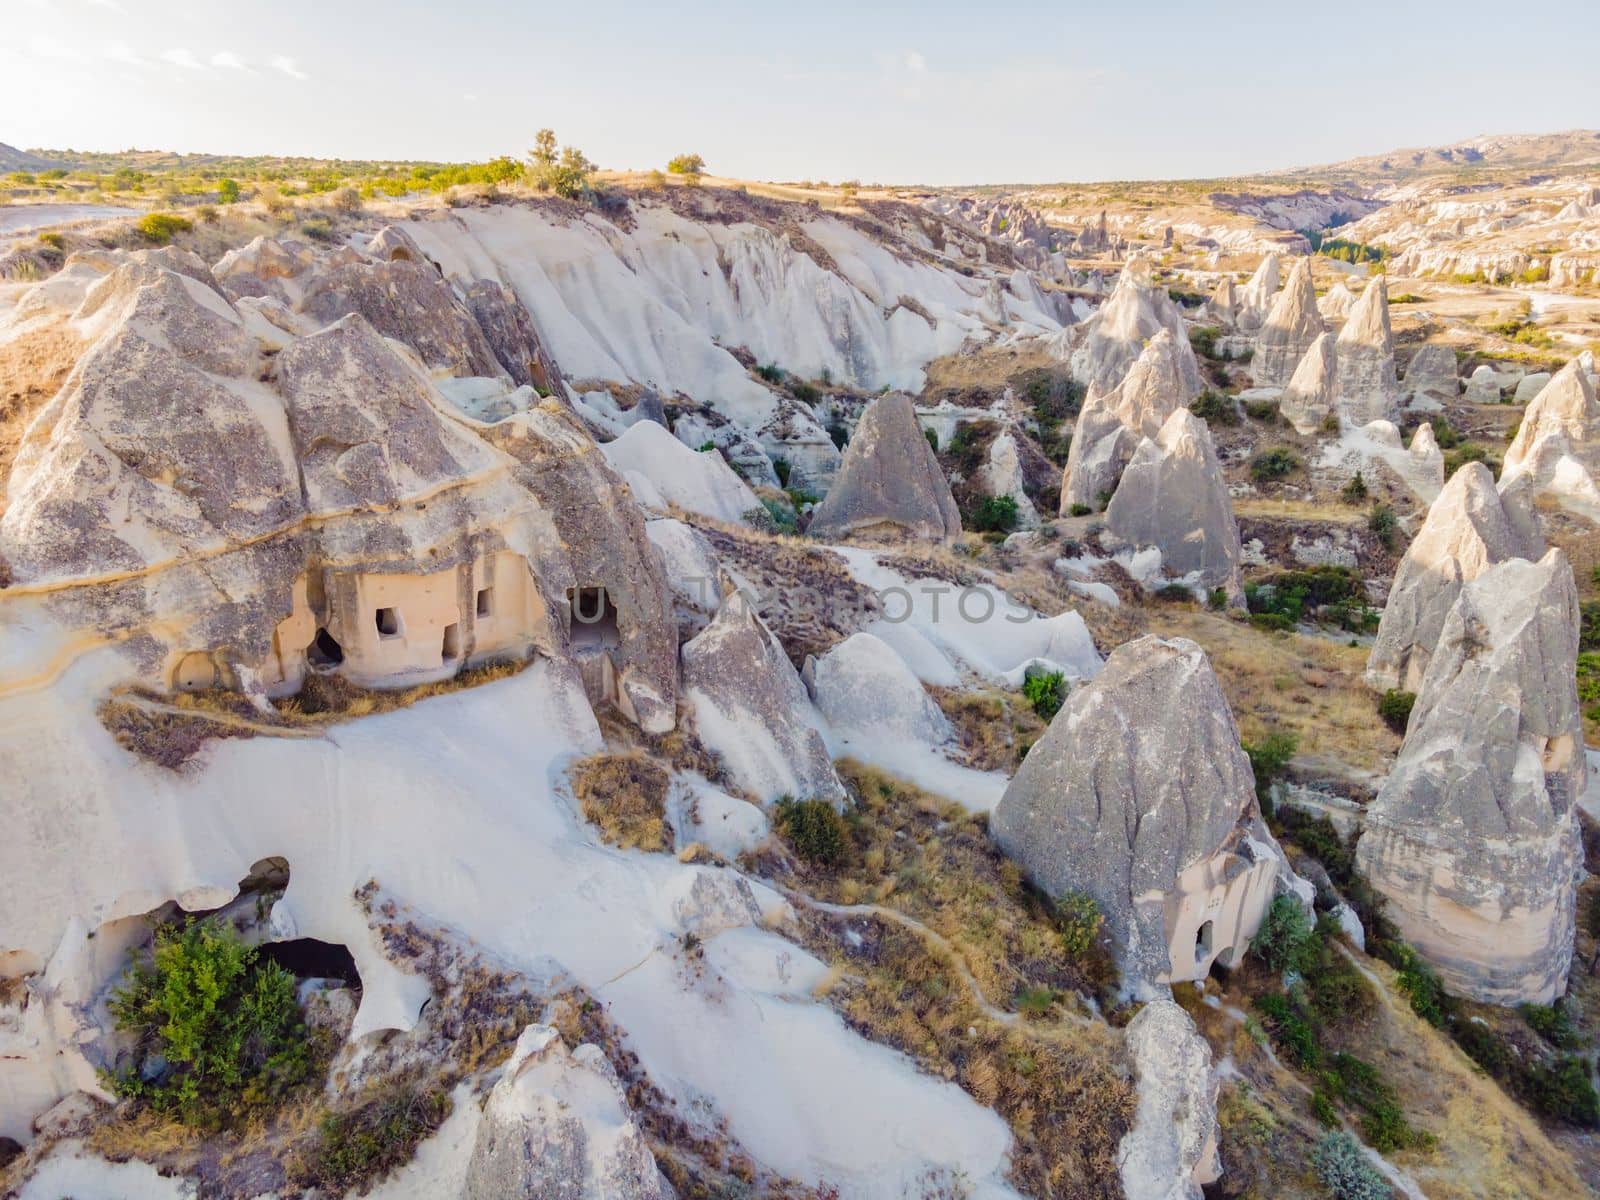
(625, 797)
(33, 367)
(994, 728)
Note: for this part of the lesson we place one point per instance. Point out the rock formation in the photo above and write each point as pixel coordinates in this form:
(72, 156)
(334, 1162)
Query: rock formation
(1432, 373)
(1309, 398)
(1111, 423)
(1427, 460)
(1337, 302)
(1173, 497)
(1103, 348)
(1256, 298)
(1557, 447)
(1469, 529)
(751, 708)
(1224, 306)
(862, 684)
(890, 480)
(1002, 475)
(1171, 1151)
(1290, 328)
(1473, 838)
(1367, 389)
(664, 474)
(557, 1124)
(1139, 795)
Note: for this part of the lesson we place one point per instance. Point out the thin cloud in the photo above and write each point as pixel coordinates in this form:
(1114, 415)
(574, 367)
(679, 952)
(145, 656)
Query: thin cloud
(289, 67)
(178, 56)
(120, 52)
(42, 46)
(229, 61)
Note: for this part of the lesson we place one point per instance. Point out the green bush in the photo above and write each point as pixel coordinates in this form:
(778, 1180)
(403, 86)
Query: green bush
(1550, 1022)
(1268, 759)
(993, 514)
(1354, 492)
(781, 468)
(933, 439)
(1395, 708)
(1562, 1090)
(1286, 939)
(1589, 625)
(1204, 340)
(1273, 464)
(1382, 522)
(1291, 1033)
(1215, 408)
(814, 828)
(686, 164)
(1465, 453)
(1445, 433)
(225, 1026)
(1046, 691)
(356, 1147)
(159, 228)
(770, 372)
(1261, 410)
(1345, 1171)
(1079, 919)
(1079, 510)
(227, 191)
(1589, 684)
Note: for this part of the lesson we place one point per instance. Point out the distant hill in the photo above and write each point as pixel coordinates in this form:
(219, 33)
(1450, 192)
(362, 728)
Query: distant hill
(12, 159)
(1487, 155)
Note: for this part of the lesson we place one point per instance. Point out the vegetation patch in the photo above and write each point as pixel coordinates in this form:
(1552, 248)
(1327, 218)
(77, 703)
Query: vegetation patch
(625, 797)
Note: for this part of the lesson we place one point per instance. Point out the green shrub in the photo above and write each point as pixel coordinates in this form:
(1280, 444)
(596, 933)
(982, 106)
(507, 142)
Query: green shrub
(1079, 510)
(1290, 1032)
(1589, 625)
(1286, 938)
(356, 1147)
(1273, 464)
(933, 439)
(1204, 340)
(1395, 706)
(1035, 1001)
(1175, 593)
(1550, 1022)
(226, 1026)
(318, 229)
(1354, 492)
(993, 514)
(1046, 691)
(1445, 433)
(1465, 453)
(1261, 410)
(686, 164)
(1215, 408)
(1345, 1171)
(227, 191)
(1589, 684)
(1420, 985)
(1268, 759)
(770, 372)
(814, 828)
(159, 228)
(1382, 522)
(1079, 918)
(804, 392)
(1562, 1090)
(781, 468)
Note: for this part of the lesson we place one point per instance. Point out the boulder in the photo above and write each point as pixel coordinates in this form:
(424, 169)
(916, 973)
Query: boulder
(1367, 390)
(1530, 386)
(1309, 398)
(1103, 348)
(1484, 386)
(1432, 372)
(751, 708)
(1290, 328)
(1427, 460)
(1557, 447)
(890, 480)
(1170, 1153)
(1473, 838)
(557, 1127)
(1111, 423)
(1255, 299)
(1173, 497)
(1469, 529)
(1140, 796)
(863, 685)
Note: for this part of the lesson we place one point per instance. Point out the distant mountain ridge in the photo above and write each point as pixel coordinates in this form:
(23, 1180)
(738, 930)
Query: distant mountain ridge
(12, 159)
(1489, 152)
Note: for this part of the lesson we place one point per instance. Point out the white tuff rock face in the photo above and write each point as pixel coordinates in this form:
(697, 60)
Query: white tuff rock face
(1309, 398)
(1224, 305)
(1111, 423)
(557, 1127)
(863, 684)
(664, 473)
(1426, 457)
(1173, 497)
(1171, 1151)
(1557, 448)
(1473, 838)
(751, 708)
(1469, 529)
(1337, 302)
(1255, 299)
(1367, 390)
(1432, 373)
(890, 480)
(1140, 795)
(1002, 475)
(1103, 348)
(1290, 328)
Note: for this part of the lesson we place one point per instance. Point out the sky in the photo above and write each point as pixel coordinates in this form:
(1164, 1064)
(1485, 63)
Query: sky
(929, 92)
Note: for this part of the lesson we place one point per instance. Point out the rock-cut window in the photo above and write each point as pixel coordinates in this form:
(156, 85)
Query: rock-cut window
(388, 622)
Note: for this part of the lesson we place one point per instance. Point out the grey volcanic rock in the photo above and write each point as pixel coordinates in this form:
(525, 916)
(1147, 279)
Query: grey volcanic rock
(1290, 328)
(517, 347)
(1173, 496)
(1171, 1151)
(1432, 372)
(1111, 424)
(1469, 529)
(1102, 348)
(557, 1127)
(260, 267)
(1557, 447)
(751, 708)
(862, 684)
(393, 244)
(1473, 838)
(1337, 303)
(409, 302)
(1309, 398)
(1223, 307)
(1139, 795)
(889, 480)
(1367, 390)
(375, 443)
